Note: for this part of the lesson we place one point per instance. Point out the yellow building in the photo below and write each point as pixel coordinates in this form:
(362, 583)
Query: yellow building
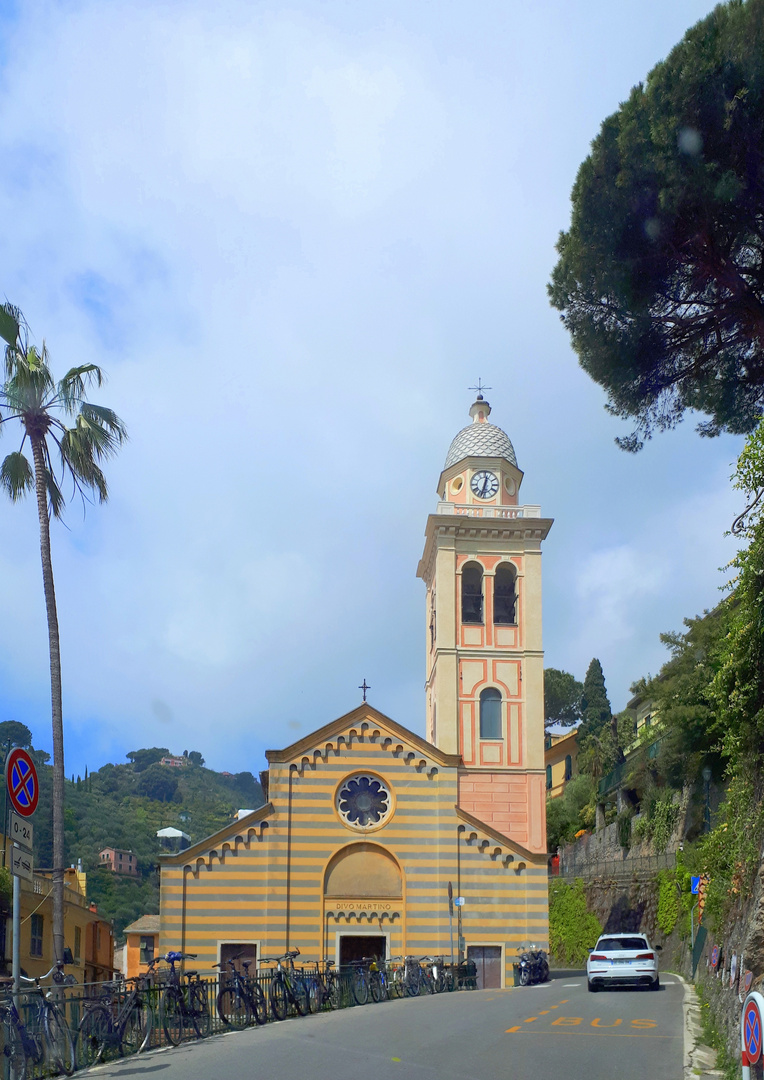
(561, 759)
(367, 823)
(89, 937)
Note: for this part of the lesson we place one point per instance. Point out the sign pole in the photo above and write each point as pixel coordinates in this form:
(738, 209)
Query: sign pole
(451, 919)
(16, 961)
(23, 789)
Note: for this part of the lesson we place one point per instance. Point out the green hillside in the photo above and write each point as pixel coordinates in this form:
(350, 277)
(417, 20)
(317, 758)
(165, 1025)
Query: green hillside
(123, 806)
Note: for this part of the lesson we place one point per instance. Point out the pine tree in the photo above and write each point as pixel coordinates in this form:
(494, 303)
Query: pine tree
(595, 705)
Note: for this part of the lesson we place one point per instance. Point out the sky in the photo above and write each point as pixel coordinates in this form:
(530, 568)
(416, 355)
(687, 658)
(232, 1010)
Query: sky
(294, 235)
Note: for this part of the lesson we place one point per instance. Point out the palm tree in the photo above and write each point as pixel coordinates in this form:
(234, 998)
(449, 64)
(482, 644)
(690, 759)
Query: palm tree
(30, 395)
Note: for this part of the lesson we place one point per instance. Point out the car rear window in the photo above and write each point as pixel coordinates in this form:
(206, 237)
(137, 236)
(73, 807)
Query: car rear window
(615, 944)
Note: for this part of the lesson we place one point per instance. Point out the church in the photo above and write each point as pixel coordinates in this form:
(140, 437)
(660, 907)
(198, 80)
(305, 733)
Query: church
(368, 828)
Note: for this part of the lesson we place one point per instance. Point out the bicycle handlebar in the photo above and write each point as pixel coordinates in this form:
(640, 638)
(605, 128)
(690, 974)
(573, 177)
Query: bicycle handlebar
(57, 967)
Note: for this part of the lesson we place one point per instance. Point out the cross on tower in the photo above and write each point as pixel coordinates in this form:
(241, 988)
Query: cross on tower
(480, 387)
(364, 687)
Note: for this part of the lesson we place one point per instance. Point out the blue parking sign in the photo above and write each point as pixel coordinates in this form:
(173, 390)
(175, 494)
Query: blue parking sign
(695, 884)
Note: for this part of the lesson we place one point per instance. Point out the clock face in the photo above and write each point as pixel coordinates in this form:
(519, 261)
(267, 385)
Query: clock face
(484, 484)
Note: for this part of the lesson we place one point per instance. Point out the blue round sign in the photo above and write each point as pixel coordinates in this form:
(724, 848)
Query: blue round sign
(752, 1031)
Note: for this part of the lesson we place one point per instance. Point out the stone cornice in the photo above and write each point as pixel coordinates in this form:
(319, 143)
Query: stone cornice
(241, 825)
(501, 838)
(364, 713)
(456, 527)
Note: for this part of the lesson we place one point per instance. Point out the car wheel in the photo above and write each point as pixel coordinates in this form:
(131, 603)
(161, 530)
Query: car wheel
(657, 984)
(591, 987)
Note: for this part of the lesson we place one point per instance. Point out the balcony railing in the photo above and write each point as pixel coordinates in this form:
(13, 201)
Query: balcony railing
(473, 510)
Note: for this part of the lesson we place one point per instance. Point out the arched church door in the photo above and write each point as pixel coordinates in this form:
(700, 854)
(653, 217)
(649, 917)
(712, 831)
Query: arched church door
(363, 903)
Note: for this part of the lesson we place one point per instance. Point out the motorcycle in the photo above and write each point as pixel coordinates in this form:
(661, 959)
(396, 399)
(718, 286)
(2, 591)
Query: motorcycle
(532, 965)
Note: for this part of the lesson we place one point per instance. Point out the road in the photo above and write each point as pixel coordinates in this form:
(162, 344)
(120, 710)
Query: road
(543, 1032)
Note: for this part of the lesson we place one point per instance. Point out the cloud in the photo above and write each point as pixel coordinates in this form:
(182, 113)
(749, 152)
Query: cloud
(294, 237)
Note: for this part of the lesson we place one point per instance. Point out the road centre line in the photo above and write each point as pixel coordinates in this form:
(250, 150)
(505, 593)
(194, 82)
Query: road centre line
(531, 1019)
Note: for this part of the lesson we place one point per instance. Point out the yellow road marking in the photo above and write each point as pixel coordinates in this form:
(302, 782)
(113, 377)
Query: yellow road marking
(531, 1019)
(512, 1029)
(543, 1012)
(564, 1001)
(601, 1034)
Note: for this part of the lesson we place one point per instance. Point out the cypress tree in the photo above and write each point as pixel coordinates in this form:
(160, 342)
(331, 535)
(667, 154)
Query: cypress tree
(595, 704)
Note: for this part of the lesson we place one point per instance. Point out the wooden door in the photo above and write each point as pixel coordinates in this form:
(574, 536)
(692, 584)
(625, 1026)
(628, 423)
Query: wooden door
(487, 960)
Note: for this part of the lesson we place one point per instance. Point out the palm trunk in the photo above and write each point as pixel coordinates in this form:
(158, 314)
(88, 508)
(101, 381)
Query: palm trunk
(55, 700)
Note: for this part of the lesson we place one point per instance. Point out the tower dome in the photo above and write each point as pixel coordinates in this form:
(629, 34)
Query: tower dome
(480, 439)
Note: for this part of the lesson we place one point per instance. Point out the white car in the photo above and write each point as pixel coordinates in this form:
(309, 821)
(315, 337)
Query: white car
(622, 960)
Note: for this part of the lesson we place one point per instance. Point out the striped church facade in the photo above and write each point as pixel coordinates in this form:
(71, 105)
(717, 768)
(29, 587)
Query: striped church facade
(314, 870)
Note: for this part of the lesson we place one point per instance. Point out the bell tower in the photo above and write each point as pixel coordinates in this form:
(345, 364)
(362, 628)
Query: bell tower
(485, 672)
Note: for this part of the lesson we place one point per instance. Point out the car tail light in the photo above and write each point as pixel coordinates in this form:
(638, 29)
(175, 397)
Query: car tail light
(645, 956)
(597, 956)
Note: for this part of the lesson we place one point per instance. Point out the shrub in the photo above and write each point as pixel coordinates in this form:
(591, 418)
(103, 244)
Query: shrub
(669, 901)
(573, 929)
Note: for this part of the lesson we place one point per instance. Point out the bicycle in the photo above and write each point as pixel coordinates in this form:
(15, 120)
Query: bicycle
(378, 982)
(287, 986)
(329, 984)
(432, 975)
(241, 997)
(106, 1022)
(184, 1003)
(51, 1039)
(323, 985)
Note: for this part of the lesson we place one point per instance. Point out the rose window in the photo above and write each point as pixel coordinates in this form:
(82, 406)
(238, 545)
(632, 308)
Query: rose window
(363, 802)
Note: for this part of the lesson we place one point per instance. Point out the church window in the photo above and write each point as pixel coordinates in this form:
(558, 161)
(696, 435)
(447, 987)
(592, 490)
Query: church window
(504, 595)
(568, 767)
(364, 802)
(549, 777)
(490, 714)
(472, 593)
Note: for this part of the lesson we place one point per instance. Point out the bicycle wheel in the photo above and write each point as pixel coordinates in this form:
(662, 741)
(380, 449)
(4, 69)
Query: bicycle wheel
(375, 985)
(450, 981)
(136, 1030)
(172, 1014)
(428, 981)
(13, 1051)
(314, 995)
(200, 1008)
(300, 996)
(360, 987)
(413, 981)
(91, 1036)
(58, 1040)
(335, 990)
(397, 985)
(279, 1002)
(233, 1008)
(258, 1004)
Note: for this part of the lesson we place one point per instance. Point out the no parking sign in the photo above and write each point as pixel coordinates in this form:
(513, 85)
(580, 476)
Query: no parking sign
(751, 1030)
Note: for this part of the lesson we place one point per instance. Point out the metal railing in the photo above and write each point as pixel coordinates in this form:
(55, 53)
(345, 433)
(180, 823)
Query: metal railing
(640, 866)
(76, 1001)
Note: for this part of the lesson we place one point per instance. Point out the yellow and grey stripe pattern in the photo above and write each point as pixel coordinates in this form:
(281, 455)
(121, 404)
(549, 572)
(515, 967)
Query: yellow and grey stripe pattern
(270, 877)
